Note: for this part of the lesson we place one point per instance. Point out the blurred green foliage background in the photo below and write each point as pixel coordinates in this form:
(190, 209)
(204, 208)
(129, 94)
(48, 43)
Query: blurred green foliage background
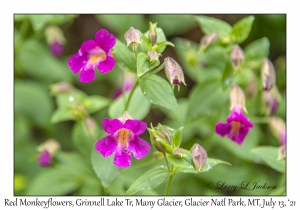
(36, 69)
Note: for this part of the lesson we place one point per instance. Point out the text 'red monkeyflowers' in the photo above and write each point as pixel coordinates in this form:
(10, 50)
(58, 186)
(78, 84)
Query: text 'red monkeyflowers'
(92, 54)
(237, 126)
(123, 140)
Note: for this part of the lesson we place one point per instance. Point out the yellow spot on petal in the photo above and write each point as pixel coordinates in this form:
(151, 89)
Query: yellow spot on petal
(235, 127)
(97, 57)
(124, 135)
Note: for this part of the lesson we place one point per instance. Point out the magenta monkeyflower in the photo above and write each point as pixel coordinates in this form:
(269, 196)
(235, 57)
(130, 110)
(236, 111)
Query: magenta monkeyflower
(123, 139)
(92, 54)
(237, 126)
(45, 158)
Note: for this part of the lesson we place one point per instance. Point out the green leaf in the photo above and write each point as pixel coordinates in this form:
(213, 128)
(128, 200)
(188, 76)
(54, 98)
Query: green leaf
(104, 168)
(138, 107)
(32, 101)
(95, 103)
(68, 99)
(38, 62)
(51, 182)
(144, 65)
(169, 148)
(210, 25)
(158, 91)
(241, 29)
(39, 21)
(257, 49)
(177, 138)
(61, 114)
(180, 162)
(125, 58)
(150, 180)
(269, 156)
(203, 102)
(160, 47)
(90, 187)
(227, 76)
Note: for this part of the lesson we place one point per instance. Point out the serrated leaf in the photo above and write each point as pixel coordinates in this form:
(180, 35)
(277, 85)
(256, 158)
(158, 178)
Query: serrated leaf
(144, 65)
(210, 25)
(158, 91)
(104, 168)
(125, 58)
(269, 156)
(241, 29)
(176, 140)
(138, 107)
(150, 180)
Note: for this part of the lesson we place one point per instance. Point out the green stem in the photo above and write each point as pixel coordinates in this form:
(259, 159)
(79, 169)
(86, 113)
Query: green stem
(123, 88)
(130, 95)
(167, 161)
(169, 184)
(148, 74)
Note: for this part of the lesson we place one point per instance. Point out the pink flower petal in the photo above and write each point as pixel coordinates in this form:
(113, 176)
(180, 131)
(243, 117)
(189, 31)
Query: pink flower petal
(106, 65)
(106, 146)
(105, 40)
(77, 62)
(139, 147)
(222, 129)
(240, 137)
(136, 126)
(87, 46)
(45, 158)
(87, 75)
(111, 126)
(122, 158)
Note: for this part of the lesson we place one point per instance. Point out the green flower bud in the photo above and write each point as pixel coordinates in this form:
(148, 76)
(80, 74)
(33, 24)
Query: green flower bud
(282, 152)
(51, 145)
(278, 128)
(78, 111)
(153, 56)
(159, 133)
(237, 57)
(237, 98)
(268, 75)
(152, 33)
(61, 87)
(199, 157)
(174, 72)
(179, 152)
(133, 38)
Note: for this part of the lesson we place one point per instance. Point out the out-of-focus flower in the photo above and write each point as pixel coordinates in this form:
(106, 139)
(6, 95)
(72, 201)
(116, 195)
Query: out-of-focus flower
(61, 87)
(55, 39)
(47, 150)
(270, 101)
(268, 75)
(237, 126)
(92, 54)
(129, 80)
(174, 72)
(199, 157)
(282, 152)
(208, 40)
(133, 38)
(152, 33)
(251, 89)
(123, 140)
(237, 57)
(277, 126)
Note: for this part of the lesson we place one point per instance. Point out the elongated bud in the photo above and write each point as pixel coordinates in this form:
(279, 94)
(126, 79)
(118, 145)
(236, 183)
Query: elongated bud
(282, 152)
(78, 111)
(164, 133)
(133, 38)
(237, 57)
(268, 75)
(199, 157)
(55, 39)
(61, 87)
(277, 126)
(174, 72)
(237, 98)
(154, 135)
(251, 89)
(208, 40)
(179, 152)
(152, 33)
(153, 56)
